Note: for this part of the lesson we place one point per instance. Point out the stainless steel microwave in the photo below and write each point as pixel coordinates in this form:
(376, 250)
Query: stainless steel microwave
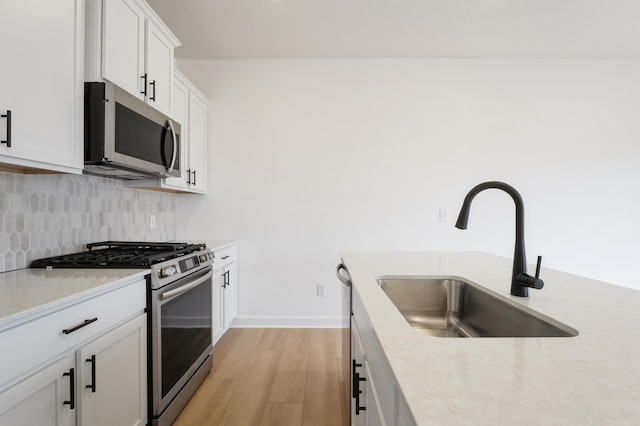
(125, 138)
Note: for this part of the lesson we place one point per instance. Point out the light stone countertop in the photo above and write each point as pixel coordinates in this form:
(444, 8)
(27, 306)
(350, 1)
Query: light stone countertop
(590, 379)
(26, 294)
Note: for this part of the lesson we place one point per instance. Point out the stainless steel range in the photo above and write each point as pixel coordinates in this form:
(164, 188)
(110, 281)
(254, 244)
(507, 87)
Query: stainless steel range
(179, 309)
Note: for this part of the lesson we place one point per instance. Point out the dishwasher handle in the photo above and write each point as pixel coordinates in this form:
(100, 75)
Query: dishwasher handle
(344, 279)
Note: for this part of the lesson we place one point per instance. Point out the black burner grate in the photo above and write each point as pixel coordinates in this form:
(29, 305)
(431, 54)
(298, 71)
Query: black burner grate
(119, 254)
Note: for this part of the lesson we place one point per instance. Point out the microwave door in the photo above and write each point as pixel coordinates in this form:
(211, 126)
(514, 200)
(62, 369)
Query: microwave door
(140, 137)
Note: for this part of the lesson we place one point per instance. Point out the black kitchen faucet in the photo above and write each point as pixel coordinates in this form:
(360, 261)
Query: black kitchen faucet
(520, 280)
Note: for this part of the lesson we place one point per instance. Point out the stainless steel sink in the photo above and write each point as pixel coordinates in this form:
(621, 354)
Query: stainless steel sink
(451, 307)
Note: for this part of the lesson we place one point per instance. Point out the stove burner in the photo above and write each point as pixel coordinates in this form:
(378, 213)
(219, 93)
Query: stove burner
(119, 254)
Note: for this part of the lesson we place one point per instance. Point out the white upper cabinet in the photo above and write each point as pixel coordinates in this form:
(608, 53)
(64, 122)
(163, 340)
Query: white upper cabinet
(41, 85)
(189, 107)
(180, 109)
(123, 45)
(160, 66)
(128, 45)
(198, 142)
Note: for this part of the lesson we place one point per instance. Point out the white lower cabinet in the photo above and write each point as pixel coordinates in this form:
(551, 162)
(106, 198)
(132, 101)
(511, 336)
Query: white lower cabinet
(365, 404)
(41, 399)
(225, 290)
(113, 377)
(229, 293)
(83, 365)
(380, 401)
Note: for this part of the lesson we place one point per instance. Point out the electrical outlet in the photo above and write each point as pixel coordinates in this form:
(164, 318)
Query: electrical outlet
(321, 290)
(152, 221)
(443, 215)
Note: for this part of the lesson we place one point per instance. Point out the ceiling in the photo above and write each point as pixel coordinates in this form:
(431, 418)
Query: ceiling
(403, 28)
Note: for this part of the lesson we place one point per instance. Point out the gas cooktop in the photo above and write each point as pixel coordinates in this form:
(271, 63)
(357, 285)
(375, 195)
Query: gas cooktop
(119, 254)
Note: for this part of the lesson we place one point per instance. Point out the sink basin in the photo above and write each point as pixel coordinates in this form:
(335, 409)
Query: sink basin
(452, 307)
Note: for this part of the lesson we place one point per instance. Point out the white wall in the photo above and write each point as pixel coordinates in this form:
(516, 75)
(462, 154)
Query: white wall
(310, 157)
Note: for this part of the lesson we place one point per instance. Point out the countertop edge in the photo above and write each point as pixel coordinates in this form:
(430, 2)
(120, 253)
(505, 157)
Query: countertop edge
(35, 312)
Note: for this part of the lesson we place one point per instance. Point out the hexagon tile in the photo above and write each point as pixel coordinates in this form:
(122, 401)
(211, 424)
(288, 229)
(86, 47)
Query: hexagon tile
(50, 215)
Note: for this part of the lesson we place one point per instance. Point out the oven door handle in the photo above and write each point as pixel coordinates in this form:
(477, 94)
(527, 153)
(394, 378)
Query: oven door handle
(172, 294)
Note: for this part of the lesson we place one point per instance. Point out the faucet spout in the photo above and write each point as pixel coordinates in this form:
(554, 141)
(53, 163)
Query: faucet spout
(520, 280)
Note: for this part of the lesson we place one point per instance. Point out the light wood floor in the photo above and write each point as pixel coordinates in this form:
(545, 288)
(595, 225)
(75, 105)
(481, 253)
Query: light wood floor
(283, 377)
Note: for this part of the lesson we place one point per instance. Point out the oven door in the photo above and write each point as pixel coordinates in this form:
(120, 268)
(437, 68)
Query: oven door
(181, 334)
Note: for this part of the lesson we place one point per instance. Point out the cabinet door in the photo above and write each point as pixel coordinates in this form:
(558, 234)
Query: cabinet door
(359, 386)
(41, 82)
(230, 293)
(179, 110)
(123, 30)
(40, 398)
(113, 377)
(198, 142)
(159, 68)
(373, 407)
(216, 304)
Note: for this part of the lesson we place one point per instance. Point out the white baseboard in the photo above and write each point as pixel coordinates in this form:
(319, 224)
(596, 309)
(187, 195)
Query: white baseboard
(289, 322)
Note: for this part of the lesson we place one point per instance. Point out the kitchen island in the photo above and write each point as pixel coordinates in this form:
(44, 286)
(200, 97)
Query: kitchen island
(590, 379)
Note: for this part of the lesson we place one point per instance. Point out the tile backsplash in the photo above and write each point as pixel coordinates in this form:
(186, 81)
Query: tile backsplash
(50, 215)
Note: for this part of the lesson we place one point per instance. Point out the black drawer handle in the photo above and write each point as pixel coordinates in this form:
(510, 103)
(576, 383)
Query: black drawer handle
(153, 84)
(8, 117)
(194, 178)
(224, 257)
(72, 388)
(92, 386)
(79, 326)
(188, 176)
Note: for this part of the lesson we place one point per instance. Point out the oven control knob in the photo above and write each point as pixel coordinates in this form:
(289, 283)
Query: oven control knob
(203, 258)
(168, 271)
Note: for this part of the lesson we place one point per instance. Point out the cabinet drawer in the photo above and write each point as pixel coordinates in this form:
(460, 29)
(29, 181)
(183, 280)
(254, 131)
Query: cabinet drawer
(37, 341)
(224, 257)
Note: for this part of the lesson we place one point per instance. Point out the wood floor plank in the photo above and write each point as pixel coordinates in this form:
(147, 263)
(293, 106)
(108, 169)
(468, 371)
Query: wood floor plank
(248, 402)
(222, 346)
(282, 414)
(322, 405)
(299, 384)
(208, 404)
(290, 378)
(235, 361)
(272, 340)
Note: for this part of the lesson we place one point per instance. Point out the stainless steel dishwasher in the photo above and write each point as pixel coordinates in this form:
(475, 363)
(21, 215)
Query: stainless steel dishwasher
(345, 278)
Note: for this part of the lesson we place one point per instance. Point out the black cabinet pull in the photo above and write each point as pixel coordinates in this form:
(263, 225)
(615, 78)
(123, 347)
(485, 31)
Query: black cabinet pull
(144, 78)
(8, 117)
(79, 326)
(194, 178)
(92, 386)
(153, 84)
(188, 176)
(358, 406)
(72, 388)
(354, 383)
(224, 257)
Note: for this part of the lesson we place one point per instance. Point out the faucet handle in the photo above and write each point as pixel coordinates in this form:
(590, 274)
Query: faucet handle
(529, 281)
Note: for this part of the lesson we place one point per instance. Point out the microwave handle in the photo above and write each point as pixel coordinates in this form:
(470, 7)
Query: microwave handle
(175, 147)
